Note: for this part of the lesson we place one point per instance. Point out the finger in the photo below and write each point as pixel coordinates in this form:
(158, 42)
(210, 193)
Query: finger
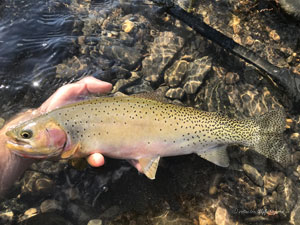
(70, 92)
(96, 160)
(94, 85)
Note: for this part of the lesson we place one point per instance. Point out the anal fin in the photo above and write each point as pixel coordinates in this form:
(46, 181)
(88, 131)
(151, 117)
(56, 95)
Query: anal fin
(149, 166)
(217, 155)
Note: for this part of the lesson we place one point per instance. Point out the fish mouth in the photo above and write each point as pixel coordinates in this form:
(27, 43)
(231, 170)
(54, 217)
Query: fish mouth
(25, 150)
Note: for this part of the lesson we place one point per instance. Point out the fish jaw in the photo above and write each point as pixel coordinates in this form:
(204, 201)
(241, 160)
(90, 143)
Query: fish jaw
(26, 151)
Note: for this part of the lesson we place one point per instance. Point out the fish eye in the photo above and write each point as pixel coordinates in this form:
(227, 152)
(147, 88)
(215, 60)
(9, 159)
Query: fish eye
(26, 134)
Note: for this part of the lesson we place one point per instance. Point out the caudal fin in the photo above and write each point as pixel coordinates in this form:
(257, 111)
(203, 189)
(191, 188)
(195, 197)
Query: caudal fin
(271, 143)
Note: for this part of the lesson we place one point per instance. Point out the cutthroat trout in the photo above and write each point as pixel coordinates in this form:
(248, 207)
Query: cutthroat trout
(142, 130)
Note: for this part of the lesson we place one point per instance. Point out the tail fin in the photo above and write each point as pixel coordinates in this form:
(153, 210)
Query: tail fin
(271, 143)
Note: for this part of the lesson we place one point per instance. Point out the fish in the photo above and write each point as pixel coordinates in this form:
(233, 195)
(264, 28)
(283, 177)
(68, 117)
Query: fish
(143, 129)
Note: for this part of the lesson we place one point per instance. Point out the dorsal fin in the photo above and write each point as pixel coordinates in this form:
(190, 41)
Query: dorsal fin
(149, 166)
(217, 155)
(157, 95)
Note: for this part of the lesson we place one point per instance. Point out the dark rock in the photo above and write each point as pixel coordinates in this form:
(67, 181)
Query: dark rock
(129, 56)
(272, 180)
(175, 73)
(161, 52)
(50, 205)
(295, 215)
(197, 71)
(36, 183)
(50, 218)
(253, 174)
(177, 93)
(170, 218)
(95, 222)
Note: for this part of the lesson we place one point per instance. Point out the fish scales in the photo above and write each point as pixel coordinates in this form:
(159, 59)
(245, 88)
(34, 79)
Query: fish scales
(142, 123)
(142, 130)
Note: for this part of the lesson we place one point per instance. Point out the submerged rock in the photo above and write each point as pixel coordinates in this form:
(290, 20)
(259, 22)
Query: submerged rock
(163, 49)
(175, 93)
(253, 174)
(197, 71)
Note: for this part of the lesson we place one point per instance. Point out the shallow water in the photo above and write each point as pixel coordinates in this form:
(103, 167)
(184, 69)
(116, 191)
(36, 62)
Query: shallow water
(45, 44)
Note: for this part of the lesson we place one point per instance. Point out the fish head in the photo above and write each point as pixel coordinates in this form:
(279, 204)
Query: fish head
(37, 139)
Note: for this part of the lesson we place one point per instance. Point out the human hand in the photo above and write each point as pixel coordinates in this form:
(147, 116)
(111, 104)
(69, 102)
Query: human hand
(72, 93)
(11, 165)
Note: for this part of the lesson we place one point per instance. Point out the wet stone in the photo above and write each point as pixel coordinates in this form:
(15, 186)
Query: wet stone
(36, 183)
(6, 216)
(50, 205)
(46, 219)
(175, 74)
(253, 174)
(129, 56)
(163, 49)
(272, 180)
(29, 213)
(124, 83)
(222, 217)
(127, 26)
(49, 167)
(95, 222)
(287, 194)
(175, 93)
(197, 71)
(295, 215)
(203, 219)
(231, 78)
(170, 218)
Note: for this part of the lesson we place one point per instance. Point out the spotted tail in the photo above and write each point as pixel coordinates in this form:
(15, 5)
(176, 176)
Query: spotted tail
(271, 143)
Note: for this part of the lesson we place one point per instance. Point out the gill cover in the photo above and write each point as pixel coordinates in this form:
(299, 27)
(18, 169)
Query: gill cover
(38, 138)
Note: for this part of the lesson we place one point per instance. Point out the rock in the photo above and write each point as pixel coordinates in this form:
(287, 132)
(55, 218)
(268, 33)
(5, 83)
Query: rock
(222, 217)
(142, 87)
(291, 7)
(95, 222)
(295, 215)
(272, 180)
(197, 72)
(175, 74)
(177, 93)
(44, 185)
(203, 219)
(46, 219)
(170, 218)
(6, 216)
(231, 78)
(72, 194)
(50, 205)
(274, 35)
(80, 213)
(253, 174)
(49, 167)
(125, 83)
(29, 213)
(36, 183)
(129, 56)
(288, 194)
(161, 52)
(127, 26)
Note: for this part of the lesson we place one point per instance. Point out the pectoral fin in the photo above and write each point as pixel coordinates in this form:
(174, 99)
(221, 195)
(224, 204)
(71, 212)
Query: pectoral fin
(217, 155)
(149, 166)
(69, 152)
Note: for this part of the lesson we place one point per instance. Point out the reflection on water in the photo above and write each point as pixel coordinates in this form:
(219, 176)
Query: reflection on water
(138, 48)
